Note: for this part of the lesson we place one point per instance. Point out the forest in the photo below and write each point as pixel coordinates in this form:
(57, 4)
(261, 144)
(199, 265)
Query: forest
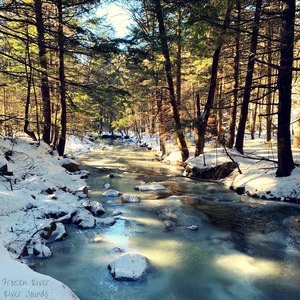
(211, 87)
(221, 68)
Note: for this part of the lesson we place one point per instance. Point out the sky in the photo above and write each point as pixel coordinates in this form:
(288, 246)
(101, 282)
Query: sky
(118, 17)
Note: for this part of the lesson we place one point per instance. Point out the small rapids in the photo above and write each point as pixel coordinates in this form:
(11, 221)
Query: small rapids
(242, 249)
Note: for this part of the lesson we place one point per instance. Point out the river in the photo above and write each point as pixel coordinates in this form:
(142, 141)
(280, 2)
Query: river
(240, 251)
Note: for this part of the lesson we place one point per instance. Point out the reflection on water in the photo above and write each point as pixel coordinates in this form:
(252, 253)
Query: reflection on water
(220, 261)
(248, 266)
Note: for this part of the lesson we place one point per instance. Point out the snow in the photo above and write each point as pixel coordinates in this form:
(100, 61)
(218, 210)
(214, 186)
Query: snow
(111, 193)
(128, 266)
(18, 281)
(59, 233)
(149, 187)
(94, 207)
(130, 199)
(84, 219)
(75, 144)
(39, 192)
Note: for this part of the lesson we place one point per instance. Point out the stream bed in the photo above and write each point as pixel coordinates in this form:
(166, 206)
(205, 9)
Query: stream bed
(242, 250)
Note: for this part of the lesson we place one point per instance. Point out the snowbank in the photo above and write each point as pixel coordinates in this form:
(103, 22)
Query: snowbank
(74, 144)
(33, 201)
(18, 281)
(258, 167)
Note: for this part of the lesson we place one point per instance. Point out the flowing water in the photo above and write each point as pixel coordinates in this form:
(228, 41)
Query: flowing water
(233, 255)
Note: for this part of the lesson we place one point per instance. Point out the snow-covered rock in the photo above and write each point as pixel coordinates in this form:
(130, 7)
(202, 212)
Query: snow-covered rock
(84, 219)
(58, 234)
(130, 199)
(106, 221)
(129, 266)
(95, 207)
(193, 227)
(111, 193)
(149, 187)
(40, 250)
(107, 185)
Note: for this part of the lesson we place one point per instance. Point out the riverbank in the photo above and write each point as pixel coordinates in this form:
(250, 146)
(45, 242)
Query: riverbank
(35, 187)
(258, 168)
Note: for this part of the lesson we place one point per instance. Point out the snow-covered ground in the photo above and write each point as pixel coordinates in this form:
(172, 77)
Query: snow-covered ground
(258, 167)
(33, 201)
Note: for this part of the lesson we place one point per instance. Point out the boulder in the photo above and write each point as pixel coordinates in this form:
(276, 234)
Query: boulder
(84, 219)
(214, 173)
(48, 230)
(58, 234)
(129, 266)
(70, 165)
(40, 250)
(111, 193)
(169, 225)
(130, 199)
(54, 231)
(95, 207)
(149, 187)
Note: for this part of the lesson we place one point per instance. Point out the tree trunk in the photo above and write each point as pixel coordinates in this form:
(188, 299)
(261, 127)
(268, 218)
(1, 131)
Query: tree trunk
(162, 139)
(178, 60)
(220, 130)
(254, 116)
(63, 120)
(168, 70)
(197, 128)
(236, 75)
(239, 143)
(202, 121)
(29, 84)
(44, 72)
(285, 76)
(270, 92)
